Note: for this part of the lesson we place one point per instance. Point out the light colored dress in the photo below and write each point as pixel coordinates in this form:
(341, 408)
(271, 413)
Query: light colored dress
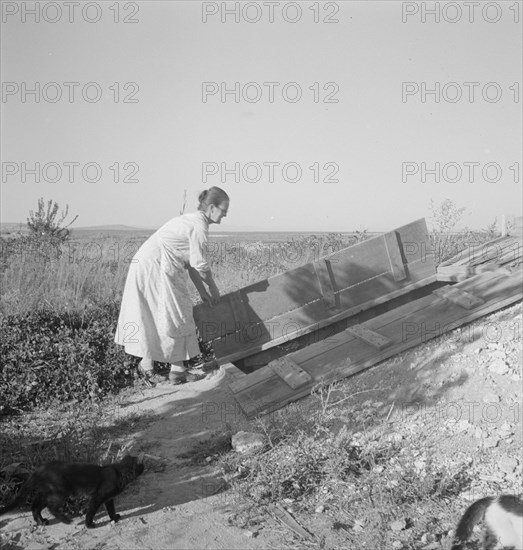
(156, 320)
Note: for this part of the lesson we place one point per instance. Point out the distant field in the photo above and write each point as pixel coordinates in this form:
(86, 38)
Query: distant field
(91, 267)
(132, 233)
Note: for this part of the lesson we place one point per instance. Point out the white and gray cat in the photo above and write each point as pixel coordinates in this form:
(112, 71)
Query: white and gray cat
(504, 523)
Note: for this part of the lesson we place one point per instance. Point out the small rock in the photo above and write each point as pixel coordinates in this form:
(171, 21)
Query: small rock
(506, 427)
(498, 367)
(248, 534)
(491, 442)
(320, 509)
(358, 526)
(397, 544)
(508, 464)
(247, 442)
(398, 525)
(427, 538)
(478, 433)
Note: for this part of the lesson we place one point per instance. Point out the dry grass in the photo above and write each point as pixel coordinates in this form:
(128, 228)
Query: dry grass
(309, 463)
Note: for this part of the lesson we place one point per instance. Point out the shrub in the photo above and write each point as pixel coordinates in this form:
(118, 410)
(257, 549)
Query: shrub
(51, 355)
(43, 223)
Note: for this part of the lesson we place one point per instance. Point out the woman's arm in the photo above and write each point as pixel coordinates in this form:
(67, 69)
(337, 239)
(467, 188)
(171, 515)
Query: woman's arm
(199, 278)
(199, 269)
(206, 277)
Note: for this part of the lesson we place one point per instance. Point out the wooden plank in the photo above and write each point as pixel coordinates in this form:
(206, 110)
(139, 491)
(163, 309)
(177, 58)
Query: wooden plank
(232, 348)
(326, 333)
(290, 372)
(249, 380)
(408, 325)
(239, 312)
(395, 256)
(233, 373)
(455, 273)
(276, 398)
(326, 281)
(499, 251)
(369, 336)
(425, 312)
(270, 297)
(359, 277)
(459, 297)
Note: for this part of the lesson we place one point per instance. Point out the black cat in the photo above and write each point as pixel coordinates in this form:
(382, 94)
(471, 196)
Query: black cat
(53, 482)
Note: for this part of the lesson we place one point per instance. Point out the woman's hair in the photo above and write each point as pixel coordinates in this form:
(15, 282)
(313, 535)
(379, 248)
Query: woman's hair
(214, 195)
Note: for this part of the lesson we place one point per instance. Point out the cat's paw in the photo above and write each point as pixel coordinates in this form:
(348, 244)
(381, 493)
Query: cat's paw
(117, 517)
(91, 525)
(42, 522)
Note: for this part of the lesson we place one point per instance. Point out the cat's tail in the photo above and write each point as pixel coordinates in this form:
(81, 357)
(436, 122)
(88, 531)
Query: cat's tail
(473, 515)
(20, 497)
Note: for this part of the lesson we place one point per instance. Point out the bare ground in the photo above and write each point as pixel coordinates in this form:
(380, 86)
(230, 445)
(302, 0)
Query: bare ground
(466, 387)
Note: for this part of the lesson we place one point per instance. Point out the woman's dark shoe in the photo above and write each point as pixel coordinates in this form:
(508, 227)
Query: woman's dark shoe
(176, 378)
(151, 377)
(194, 377)
(210, 366)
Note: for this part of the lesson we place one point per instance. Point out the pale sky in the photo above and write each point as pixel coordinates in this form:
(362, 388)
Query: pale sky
(381, 140)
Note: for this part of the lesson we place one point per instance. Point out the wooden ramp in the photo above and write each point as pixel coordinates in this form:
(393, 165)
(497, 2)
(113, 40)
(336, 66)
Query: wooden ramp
(503, 254)
(307, 298)
(361, 346)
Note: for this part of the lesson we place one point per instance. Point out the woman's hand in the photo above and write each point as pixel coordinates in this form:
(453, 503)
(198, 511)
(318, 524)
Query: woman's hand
(215, 294)
(206, 298)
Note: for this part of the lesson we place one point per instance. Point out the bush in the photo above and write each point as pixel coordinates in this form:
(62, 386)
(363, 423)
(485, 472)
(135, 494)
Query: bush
(44, 222)
(49, 355)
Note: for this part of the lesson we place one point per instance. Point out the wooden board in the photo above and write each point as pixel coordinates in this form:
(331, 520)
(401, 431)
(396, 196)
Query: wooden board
(323, 271)
(369, 336)
(502, 251)
(397, 262)
(406, 326)
(456, 273)
(238, 308)
(307, 298)
(458, 296)
(290, 372)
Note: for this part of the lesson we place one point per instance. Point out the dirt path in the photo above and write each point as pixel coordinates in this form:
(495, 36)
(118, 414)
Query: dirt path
(457, 382)
(173, 505)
